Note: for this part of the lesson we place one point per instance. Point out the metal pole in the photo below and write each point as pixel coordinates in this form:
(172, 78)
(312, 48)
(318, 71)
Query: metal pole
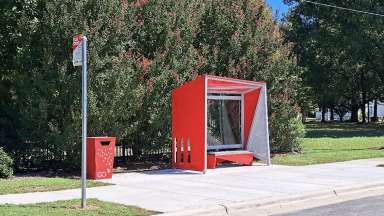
(84, 125)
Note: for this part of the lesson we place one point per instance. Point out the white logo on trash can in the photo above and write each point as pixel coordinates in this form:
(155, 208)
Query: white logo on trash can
(102, 174)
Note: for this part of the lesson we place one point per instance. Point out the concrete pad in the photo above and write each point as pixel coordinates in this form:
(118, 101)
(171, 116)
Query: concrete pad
(177, 190)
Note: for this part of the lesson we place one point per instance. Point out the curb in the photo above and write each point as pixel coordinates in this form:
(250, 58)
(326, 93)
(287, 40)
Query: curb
(224, 209)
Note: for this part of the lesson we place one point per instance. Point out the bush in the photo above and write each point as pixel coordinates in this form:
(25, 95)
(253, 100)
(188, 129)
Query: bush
(286, 134)
(139, 52)
(6, 163)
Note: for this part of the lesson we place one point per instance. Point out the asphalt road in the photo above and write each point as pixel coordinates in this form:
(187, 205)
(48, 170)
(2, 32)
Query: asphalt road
(371, 206)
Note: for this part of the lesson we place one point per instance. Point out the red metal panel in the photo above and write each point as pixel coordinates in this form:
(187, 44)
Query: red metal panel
(100, 156)
(250, 103)
(211, 164)
(178, 148)
(185, 149)
(188, 122)
(243, 159)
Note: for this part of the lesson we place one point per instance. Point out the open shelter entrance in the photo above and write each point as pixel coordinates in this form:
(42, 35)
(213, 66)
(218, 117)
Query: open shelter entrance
(216, 119)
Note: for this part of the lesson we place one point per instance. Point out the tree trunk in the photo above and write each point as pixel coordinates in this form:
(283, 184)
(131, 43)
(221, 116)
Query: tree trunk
(355, 113)
(364, 98)
(323, 111)
(374, 119)
(332, 115)
(363, 115)
(368, 112)
(303, 116)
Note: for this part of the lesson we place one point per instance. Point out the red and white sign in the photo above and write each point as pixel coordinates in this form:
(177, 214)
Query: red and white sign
(77, 50)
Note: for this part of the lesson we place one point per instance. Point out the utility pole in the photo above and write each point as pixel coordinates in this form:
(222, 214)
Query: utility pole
(84, 124)
(79, 47)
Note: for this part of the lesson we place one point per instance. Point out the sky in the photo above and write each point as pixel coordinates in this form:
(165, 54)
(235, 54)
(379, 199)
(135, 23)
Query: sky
(279, 6)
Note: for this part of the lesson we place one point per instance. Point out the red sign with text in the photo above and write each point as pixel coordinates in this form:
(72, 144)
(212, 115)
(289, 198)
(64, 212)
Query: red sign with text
(77, 50)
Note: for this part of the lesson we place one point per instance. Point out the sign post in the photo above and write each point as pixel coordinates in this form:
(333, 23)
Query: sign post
(79, 47)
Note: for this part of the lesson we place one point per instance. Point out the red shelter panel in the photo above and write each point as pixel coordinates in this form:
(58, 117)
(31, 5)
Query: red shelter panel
(188, 125)
(250, 103)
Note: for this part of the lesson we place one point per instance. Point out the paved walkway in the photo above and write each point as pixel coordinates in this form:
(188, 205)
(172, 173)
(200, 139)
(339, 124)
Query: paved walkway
(175, 190)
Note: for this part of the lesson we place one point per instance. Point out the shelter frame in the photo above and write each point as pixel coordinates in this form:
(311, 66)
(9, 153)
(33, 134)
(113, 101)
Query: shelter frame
(189, 119)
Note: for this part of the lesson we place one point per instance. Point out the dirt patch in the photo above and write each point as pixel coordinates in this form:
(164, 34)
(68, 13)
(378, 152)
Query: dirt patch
(46, 173)
(123, 167)
(140, 166)
(284, 154)
(78, 206)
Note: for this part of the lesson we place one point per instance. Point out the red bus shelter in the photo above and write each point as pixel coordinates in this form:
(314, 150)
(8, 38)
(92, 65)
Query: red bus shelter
(216, 119)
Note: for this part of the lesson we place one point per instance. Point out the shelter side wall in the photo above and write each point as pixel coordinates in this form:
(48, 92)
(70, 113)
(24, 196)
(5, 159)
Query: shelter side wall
(258, 140)
(250, 103)
(188, 125)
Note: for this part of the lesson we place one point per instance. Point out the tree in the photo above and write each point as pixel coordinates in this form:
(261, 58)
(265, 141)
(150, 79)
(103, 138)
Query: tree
(138, 52)
(339, 50)
(241, 39)
(8, 49)
(45, 85)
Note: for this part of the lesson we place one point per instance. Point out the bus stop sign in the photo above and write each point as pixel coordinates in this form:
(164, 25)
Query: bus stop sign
(77, 50)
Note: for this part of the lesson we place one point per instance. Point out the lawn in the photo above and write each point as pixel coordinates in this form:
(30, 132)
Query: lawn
(72, 207)
(40, 184)
(333, 142)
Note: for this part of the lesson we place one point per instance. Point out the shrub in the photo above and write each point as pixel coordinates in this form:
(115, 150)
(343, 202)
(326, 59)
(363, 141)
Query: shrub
(6, 163)
(286, 134)
(138, 53)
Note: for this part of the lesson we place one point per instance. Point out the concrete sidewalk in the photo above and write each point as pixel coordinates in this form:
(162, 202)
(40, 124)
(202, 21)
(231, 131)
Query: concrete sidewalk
(177, 191)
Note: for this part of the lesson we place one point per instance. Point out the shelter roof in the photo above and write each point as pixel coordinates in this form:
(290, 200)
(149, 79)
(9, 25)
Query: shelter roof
(218, 84)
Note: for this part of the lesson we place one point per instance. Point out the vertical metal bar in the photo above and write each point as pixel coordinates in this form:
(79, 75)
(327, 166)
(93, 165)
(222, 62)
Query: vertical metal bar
(205, 123)
(243, 142)
(84, 124)
(175, 151)
(221, 120)
(266, 123)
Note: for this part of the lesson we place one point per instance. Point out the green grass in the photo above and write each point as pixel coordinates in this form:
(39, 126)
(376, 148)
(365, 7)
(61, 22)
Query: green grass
(41, 184)
(325, 143)
(72, 207)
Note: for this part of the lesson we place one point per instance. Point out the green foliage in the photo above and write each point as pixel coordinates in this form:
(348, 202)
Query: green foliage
(138, 52)
(240, 39)
(6, 163)
(286, 137)
(341, 52)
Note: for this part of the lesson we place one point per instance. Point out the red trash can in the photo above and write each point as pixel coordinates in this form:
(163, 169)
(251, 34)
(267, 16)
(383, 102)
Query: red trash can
(100, 156)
